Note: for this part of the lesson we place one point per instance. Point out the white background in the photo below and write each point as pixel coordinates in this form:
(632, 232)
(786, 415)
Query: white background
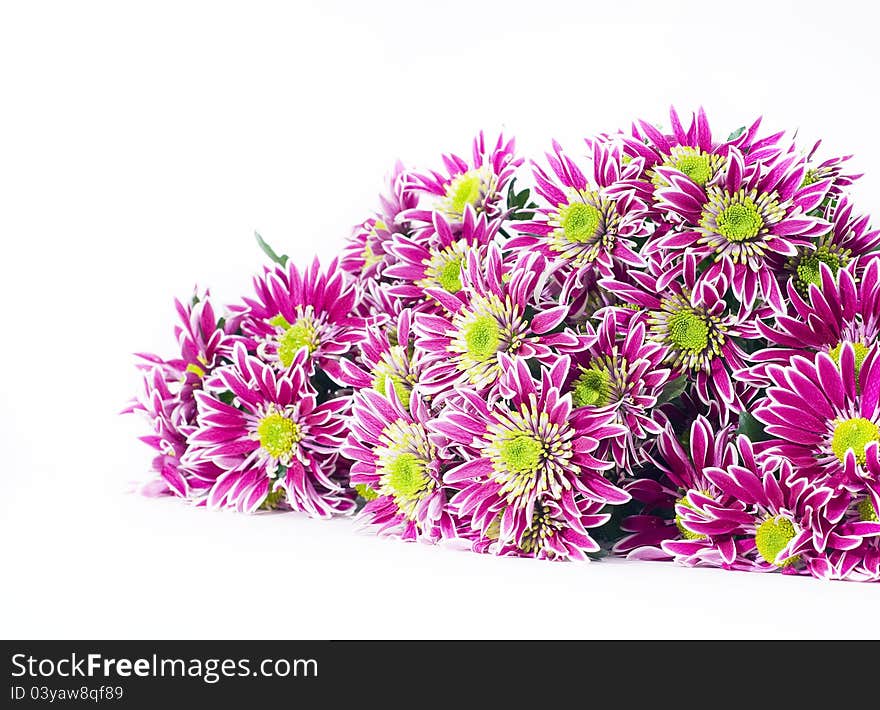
(140, 146)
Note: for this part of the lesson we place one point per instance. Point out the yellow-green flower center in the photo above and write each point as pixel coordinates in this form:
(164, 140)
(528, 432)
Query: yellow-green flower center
(592, 388)
(853, 434)
(688, 331)
(277, 434)
(401, 387)
(808, 267)
(867, 511)
(302, 334)
(580, 222)
(195, 370)
(449, 275)
(811, 176)
(482, 336)
(696, 166)
(406, 474)
(685, 533)
(466, 189)
(772, 536)
(521, 453)
(741, 221)
(365, 492)
(859, 350)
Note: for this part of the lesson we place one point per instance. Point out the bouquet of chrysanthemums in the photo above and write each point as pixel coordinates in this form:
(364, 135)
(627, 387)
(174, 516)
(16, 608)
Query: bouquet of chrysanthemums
(664, 348)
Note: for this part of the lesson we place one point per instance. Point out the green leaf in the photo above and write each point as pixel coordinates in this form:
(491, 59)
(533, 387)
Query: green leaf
(227, 397)
(672, 390)
(751, 427)
(270, 252)
(737, 133)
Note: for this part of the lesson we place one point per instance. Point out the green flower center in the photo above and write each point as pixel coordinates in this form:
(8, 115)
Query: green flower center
(580, 222)
(688, 331)
(449, 275)
(195, 370)
(521, 453)
(859, 350)
(696, 166)
(853, 434)
(740, 222)
(867, 511)
(592, 388)
(302, 334)
(685, 533)
(277, 434)
(772, 536)
(464, 190)
(406, 474)
(482, 336)
(810, 177)
(808, 267)
(365, 492)
(274, 499)
(401, 387)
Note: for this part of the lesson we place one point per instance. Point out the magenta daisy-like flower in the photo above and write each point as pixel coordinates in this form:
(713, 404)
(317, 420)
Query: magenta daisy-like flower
(311, 310)
(530, 483)
(435, 259)
(685, 516)
(692, 152)
(586, 226)
(275, 443)
(386, 356)
(624, 372)
(171, 427)
(825, 415)
(839, 308)
(789, 526)
(365, 255)
(830, 169)
(490, 315)
(692, 320)
(480, 184)
(397, 467)
(746, 220)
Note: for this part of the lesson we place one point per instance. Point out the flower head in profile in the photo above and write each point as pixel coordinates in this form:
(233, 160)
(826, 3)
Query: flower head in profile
(366, 254)
(685, 516)
(309, 310)
(397, 467)
(491, 315)
(530, 483)
(624, 372)
(586, 226)
(275, 444)
(480, 183)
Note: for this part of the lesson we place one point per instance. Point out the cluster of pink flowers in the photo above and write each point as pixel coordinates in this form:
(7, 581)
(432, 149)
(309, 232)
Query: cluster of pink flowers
(664, 349)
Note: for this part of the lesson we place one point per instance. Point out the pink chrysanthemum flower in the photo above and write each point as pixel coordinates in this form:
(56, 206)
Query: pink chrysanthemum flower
(365, 255)
(694, 153)
(276, 445)
(490, 315)
(623, 372)
(586, 226)
(436, 257)
(386, 356)
(840, 308)
(171, 427)
(530, 483)
(825, 415)
(692, 320)
(397, 467)
(789, 526)
(481, 184)
(746, 220)
(830, 169)
(686, 517)
(309, 310)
